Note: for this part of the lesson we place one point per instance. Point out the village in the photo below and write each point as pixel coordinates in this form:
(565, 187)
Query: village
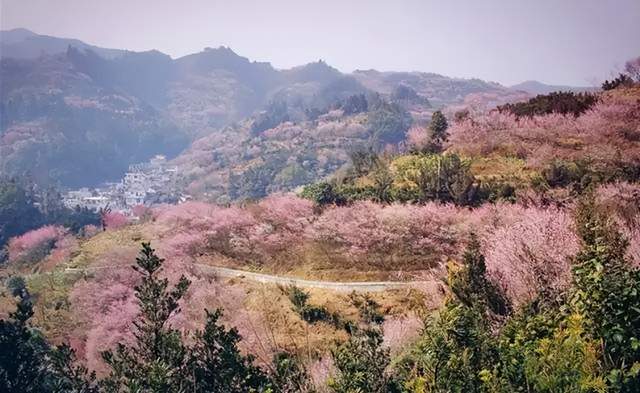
(148, 183)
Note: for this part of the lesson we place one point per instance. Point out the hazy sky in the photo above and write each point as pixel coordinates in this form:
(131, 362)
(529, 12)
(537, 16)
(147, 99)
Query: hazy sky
(554, 41)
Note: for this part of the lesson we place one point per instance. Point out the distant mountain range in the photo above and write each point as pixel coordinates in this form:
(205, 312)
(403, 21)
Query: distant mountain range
(75, 114)
(25, 44)
(535, 88)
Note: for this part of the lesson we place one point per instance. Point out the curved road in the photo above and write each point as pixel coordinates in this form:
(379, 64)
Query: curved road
(360, 286)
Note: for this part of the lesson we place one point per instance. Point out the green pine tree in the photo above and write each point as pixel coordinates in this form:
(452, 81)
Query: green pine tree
(437, 132)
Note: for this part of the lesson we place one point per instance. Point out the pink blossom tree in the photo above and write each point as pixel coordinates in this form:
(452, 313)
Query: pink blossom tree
(34, 245)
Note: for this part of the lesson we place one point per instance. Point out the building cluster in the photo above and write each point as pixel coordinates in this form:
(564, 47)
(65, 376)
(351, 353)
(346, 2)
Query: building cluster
(146, 183)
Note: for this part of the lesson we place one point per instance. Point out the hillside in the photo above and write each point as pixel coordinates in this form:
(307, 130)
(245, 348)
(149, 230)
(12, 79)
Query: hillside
(535, 88)
(25, 44)
(120, 107)
(60, 126)
(508, 217)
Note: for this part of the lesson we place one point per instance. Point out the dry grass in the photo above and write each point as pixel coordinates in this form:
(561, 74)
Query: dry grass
(263, 314)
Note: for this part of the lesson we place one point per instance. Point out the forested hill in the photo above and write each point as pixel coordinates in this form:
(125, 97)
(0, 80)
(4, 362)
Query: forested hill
(74, 114)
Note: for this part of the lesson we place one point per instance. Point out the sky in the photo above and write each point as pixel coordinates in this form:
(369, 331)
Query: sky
(569, 42)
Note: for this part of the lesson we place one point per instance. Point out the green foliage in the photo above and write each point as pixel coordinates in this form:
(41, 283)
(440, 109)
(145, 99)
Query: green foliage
(16, 285)
(368, 308)
(290, 177)
(388, 123)
(437, 132)
(516, 342)
(18, 213)
(23, 365)
(607, 292)
(411, 178)
(67, 375)
(311, 313)
(560, 173)
(556, 102)
(451, 354)
(252, 184)
(29, 364)
(298, 297)
(356, 103)
(456, 346)
(361, 364)
(364, 161)
(156, 362)
(621, 80)
(471, 285)
(322, 193)
(216, 364)
(159, 360)
(566, 362)
(581, 174)
(289, 375)
(446, 178)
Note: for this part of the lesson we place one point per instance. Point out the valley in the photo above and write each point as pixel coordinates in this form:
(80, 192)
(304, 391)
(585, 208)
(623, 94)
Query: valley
(211, 223)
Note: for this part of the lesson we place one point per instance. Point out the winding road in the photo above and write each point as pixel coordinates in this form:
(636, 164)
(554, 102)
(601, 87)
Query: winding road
(359, 286)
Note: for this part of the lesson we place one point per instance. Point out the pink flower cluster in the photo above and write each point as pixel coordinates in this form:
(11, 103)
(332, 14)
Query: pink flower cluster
(608, 130)
(115, 220)
(622, 201)
(532, 251)
(272, 225)
(34, 244)
(368, 229)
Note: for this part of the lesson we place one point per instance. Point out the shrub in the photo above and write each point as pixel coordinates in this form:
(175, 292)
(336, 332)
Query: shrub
(312, 314)
(321, 193)
(362, 364)
(566, 361)
(557, 102)
(607, 290)
(456, 345)
(16, 286)
(620, 80)
(368, 308)
(446, 178)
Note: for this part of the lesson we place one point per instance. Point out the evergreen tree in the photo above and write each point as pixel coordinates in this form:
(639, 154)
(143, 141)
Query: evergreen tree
(160, 361)
(67, 376)
(456, 347)
(289, 375)
(23, 351)
(437, 132)
(18, 213)
(471, 285)
(217, 365)
(157, 360)
(362, 365)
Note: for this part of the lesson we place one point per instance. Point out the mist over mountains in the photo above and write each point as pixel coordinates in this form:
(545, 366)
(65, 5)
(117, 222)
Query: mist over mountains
(74, 114)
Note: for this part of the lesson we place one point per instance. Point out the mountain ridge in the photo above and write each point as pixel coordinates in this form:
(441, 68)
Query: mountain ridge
(195, 96)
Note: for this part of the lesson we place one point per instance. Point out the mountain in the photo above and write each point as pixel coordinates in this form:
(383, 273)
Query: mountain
(535, 88)
(25, 44)
(438, 89)
(76, 114)
(59, 125)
